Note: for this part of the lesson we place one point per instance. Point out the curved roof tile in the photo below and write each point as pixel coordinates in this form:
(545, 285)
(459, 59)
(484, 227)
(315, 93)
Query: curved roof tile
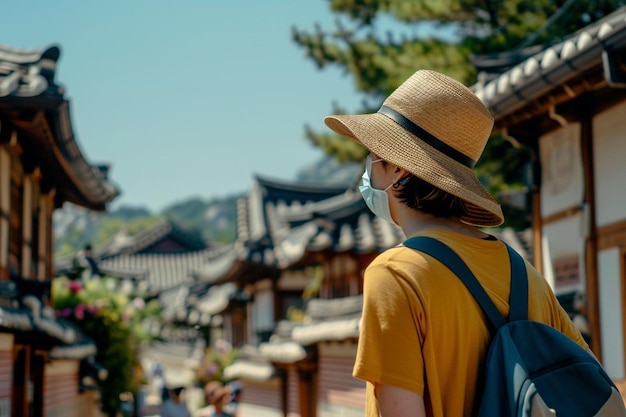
(541, 72)
(27, 82)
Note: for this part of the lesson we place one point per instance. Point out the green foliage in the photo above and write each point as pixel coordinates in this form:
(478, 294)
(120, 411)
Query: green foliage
(498, 154)
(112, 319)
(73, 238)
(110, 226)
(342, 149)
(215, 219)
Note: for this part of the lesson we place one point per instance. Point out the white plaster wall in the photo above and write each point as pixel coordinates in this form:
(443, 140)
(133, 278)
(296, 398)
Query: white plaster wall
(263, 310)
(561, 239)
(250, 410)
(609, 151)
(333, 410)
(611, 319)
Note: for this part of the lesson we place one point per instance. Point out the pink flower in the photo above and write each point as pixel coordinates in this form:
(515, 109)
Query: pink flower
(79, 311)
(75, 286)
(139, 303)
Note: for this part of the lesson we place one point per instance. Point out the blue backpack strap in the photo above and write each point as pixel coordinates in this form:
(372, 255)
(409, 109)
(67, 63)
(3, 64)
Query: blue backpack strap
(518, 304)
(519, 285)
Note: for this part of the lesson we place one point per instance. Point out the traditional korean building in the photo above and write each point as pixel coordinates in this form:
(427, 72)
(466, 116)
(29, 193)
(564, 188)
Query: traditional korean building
(567, 103)
(44, 361)
(270, 266)
(267, 244)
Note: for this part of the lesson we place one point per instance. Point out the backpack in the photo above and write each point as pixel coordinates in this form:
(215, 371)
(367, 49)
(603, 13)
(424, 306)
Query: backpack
(531, 369)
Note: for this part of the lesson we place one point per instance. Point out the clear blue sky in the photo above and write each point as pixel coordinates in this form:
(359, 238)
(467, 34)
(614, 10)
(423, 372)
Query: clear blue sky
(185, 97)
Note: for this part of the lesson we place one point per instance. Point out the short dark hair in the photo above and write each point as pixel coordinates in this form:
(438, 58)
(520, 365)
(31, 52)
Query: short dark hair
(421, 195)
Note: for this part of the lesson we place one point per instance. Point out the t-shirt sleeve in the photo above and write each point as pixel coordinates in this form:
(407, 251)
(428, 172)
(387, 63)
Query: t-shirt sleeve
(549, 310)
(567, 326)
(390, 341)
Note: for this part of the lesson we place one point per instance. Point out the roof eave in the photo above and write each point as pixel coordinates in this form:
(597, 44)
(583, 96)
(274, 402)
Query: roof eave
(512, 97)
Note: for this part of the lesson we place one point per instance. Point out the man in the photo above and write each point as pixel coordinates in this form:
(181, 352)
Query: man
(423, 337)
(174, 405)
(217, 396)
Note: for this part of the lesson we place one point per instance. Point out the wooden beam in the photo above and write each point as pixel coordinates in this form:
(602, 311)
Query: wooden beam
(591, 241)
(589, 81)
(612, 235)
(564, 214)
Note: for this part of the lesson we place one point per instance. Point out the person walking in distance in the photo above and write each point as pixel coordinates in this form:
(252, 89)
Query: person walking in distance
(217, 396)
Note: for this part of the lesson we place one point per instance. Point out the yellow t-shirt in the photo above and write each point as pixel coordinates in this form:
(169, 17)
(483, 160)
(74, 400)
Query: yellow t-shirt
(422, 330)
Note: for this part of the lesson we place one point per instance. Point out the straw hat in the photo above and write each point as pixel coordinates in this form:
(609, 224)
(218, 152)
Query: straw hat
(436, 128)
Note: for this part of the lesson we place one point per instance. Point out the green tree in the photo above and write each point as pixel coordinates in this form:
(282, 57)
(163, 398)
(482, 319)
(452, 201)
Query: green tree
(380, 43)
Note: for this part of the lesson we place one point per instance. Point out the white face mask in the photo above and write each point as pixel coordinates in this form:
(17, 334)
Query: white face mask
(376, 200)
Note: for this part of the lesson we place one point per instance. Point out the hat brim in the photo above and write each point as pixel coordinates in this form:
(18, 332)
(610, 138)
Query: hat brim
(388, 140)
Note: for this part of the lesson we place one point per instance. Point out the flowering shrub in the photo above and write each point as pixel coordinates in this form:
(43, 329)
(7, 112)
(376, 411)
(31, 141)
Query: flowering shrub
(113, 320)
(214, 361)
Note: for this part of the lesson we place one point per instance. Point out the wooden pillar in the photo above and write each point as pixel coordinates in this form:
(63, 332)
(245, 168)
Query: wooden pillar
(27, 226)
(5, 210)
(45, 218)
(591, 243)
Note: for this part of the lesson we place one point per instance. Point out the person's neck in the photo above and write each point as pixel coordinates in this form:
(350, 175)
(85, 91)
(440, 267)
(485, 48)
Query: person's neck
(419, 222)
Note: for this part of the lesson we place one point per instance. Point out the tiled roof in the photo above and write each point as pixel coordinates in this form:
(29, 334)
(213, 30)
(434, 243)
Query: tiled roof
(330, 330)
(287, 229)
(28, 72)
(14, 319)
(68, 340)
(196, 305)
(162, 270)
(342, 223)
(541, 72)
(286, 352)
(216, 299)
(330, 319)
(251, 365)
(257, 220)
(76, 351)
(131, 256)
(26, 83)
(142, 241)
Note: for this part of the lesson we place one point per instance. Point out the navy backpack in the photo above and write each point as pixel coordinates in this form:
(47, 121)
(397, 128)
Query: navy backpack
(531, 369)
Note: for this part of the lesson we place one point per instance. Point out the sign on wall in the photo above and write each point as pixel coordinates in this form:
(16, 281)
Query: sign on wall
(562, 177)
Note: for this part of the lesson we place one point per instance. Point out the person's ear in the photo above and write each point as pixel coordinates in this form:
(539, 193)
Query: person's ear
(400, 173)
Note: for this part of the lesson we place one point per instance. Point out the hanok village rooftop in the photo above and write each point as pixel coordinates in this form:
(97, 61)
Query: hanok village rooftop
(288, 291)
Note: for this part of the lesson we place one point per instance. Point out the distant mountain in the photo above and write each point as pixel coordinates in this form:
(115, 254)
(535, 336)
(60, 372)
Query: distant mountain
(214, 218)
(330, 171)
(74, 227)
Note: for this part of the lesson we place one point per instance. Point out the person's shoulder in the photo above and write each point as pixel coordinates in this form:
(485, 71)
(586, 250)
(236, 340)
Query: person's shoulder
(401, 261)
(398, 251)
